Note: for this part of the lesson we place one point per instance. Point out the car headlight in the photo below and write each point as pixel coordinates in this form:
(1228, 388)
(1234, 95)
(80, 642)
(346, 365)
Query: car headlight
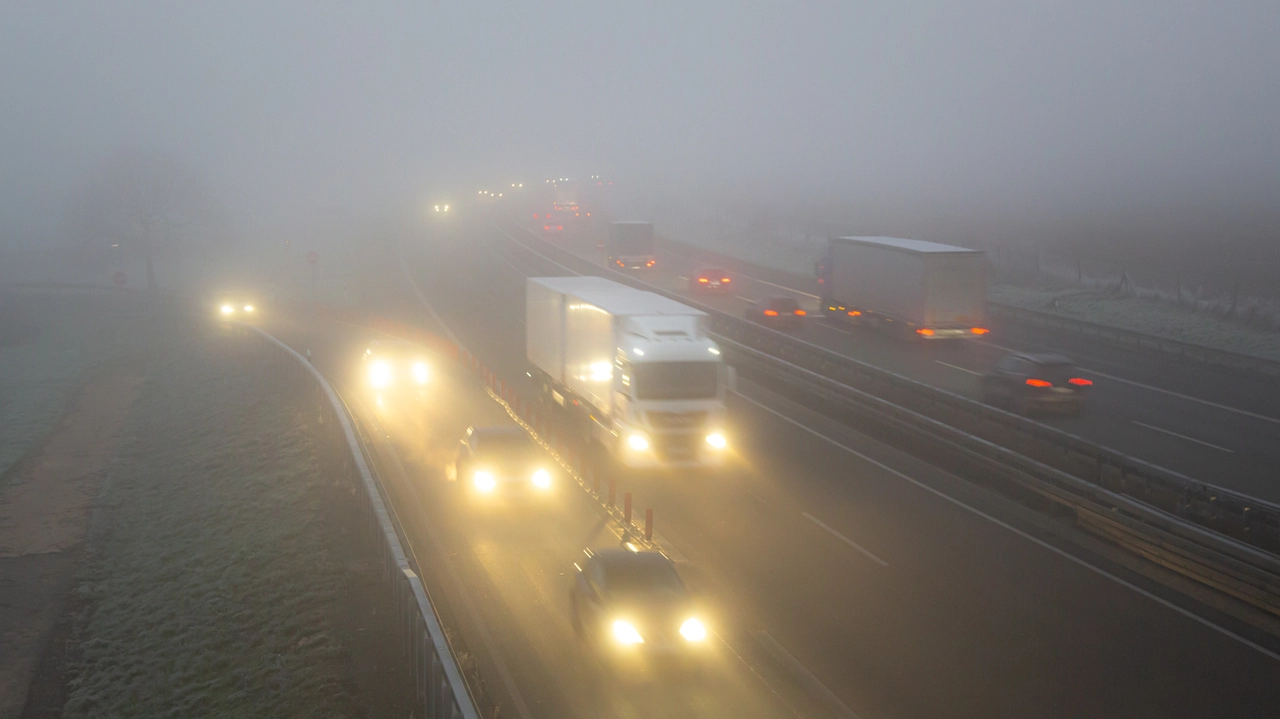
(420, 372)
(380, 374)
(717, 440)
(248, 308)
(638, 442)
(227, 309)
(693, 630)
(541, 479)
(485, 482)
(625, 633)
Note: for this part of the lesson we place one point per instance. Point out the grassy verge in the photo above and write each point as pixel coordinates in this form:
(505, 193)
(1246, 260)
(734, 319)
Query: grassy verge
(210, 588)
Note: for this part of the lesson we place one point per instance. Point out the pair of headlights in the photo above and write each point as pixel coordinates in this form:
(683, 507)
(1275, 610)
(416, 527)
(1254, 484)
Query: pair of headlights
(486, 482)
(380, 373)
(228, 309)
(640, 443)
(626, 633)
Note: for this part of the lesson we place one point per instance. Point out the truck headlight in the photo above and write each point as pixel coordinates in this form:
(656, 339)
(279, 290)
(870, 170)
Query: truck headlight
(717, 440)
(541, 479)
(625, 633)
(420, 372)
(380, 374)
(693, 630)
(485, 482)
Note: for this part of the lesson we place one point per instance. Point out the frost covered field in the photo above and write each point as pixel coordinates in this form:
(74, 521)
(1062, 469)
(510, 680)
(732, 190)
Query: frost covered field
(48, 347)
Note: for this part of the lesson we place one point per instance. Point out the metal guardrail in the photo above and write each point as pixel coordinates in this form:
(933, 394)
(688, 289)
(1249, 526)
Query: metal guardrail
(1192, 523)
(1131, 339)
(442, 690)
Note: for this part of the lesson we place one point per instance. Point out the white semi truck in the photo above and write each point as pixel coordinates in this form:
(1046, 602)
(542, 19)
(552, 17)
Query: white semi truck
(639, 367)
(912, 288)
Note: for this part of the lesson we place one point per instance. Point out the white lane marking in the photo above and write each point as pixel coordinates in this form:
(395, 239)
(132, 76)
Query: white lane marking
(845, 539)
(806, 677)
(752, 669)
(1169, 392)
(1247, 413)
(955, 366)
(678, 277)
(1069, 557)
(1182, 436)
(745, 299)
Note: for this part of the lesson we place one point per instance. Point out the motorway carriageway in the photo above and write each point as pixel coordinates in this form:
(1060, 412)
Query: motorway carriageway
(851, 579)
(1207, 424)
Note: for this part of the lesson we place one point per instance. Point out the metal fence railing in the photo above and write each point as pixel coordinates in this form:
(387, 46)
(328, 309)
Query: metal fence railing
(442, 691)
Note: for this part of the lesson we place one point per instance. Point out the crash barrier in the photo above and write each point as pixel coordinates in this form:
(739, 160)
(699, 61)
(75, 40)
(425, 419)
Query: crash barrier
(1220, 526)
(442, 691)
(1115, 336)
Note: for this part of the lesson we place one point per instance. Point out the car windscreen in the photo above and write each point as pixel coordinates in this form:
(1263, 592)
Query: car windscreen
(642, 577)
(783, 304)
(1055, 373)
(676, 380)
(505, 444)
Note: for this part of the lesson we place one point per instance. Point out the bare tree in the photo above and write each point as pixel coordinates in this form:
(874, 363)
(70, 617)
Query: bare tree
(146, 203)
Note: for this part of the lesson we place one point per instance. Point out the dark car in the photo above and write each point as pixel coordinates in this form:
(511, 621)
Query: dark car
(776, 312)
(1027, 383)
(494, 460)
(634, 603)
(709, 279)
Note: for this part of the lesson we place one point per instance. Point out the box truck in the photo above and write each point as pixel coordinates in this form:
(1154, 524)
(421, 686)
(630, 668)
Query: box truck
(637, 367)
(630, 245)
(912, 288)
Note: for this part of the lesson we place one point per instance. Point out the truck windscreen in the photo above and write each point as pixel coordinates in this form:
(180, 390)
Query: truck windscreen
(676, 380)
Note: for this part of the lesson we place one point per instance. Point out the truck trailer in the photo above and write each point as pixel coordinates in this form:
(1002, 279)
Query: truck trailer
(911, 288)
(630, 245)
(637, 367)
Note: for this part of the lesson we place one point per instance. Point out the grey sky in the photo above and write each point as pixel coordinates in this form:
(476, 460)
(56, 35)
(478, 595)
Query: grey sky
(1026, 113)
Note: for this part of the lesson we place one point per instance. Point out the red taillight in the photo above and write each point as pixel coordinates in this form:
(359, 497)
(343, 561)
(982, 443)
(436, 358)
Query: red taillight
(576, 215)
(725, 280)
(650, 263)
(771, 313)
(800, 313)
(854, 313)
(703, 279)
(925, 331)
(979, 330)
(1039, 383)
(620, 263)
(1080, 381)
(535, 215)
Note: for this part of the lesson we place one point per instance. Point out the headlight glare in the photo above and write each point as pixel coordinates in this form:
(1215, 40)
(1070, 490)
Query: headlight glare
(638, 442)
(717, 440)
(380, 374)
(485, 482)
(625, 633)
(227, 309)
(541, 479)
(420, 372)
(693, 630)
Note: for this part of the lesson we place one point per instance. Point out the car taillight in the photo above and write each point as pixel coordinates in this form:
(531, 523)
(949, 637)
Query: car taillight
(1080, 381)
(620, 263)
(725, 280)
(854, 313)
(650, 263)
(703, 279)
(1039, 383)
(800, 313)
(979, 330)
(925, 331)
(771, 313)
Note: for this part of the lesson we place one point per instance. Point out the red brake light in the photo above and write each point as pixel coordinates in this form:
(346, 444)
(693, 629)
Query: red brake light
(925, 331)
(854, 313)
(724, 280)
(650, 263)
(800, 313)
(1039, 383)
(703, 279)
(1080, 381)
(979, 330)
(620, 263)
(771, 313)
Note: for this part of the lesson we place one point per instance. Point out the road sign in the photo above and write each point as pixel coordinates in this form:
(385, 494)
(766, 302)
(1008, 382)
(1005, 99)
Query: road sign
(120, 278)
(313, 257)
